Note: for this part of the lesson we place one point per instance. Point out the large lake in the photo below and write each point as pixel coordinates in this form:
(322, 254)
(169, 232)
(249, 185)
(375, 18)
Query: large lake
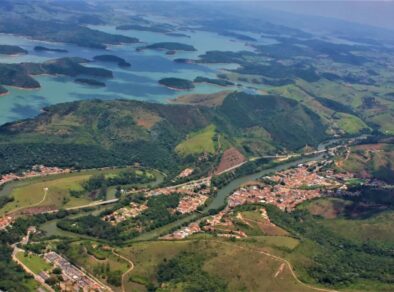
(140, 81)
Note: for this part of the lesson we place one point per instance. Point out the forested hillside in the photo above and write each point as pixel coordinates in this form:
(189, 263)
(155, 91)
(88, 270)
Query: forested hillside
(100, 133)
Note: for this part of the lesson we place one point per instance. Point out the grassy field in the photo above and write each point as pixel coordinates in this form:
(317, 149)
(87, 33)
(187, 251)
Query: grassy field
(350, 124)
(97, 259)
(227, 260)
(33, 262)
(367, 160)
(198, 142)
(31, 192)
(377, 228)
(329, 208)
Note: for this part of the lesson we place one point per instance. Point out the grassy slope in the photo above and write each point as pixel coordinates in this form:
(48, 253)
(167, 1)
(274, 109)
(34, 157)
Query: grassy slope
(310, 254)
(95, 259)
(198, 142)
(370, 159)
(229, 261)
(33, 262)
(31, 192)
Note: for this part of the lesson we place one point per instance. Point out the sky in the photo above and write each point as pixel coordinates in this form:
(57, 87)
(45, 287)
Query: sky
(376, 13)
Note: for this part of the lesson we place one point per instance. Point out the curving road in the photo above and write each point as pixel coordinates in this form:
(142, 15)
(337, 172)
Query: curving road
(128, 271)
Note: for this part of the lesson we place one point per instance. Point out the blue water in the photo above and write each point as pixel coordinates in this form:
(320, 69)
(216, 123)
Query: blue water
(140, 81)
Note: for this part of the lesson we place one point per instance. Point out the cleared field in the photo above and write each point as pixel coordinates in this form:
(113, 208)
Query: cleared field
(233, 263)
(97, 259)
(146, 256)
(329, 208)
(230, 158)
(239, 264)
(370, 160)
(35, 263)
(378, 228)
(350, 124)
(52, 192)
(198, 142)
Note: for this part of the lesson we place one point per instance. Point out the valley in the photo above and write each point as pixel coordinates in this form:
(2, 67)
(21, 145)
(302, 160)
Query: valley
(184, 146)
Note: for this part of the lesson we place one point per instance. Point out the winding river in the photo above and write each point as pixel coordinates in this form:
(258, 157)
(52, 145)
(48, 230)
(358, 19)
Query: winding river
(218, 202)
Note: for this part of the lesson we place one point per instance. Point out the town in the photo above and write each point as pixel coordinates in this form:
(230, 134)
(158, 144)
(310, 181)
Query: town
(284, 189)
(36, 171)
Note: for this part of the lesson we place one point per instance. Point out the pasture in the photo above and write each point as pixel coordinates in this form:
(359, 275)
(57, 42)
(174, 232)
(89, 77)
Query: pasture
(198, 142)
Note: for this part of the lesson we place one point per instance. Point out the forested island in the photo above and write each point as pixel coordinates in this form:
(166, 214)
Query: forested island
(45, 49)
(3, 91)
(112, 59)
(177, 83)
(219, 82)
(19, 75)
(57, 31)
(238, 36)
(90, 82)
(155, 28)
(169, 46)
(11, 50)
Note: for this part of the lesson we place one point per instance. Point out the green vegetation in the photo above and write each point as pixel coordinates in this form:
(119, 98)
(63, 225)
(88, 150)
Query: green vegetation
(170, 46)
(350, 124)
(13, 278)
(34, 262)
(177, 83)
(90, 82)
(97, 259)
(19, 75)
(3, 91)
(198, 142)
(370, 160)
(112, 59)
(153, 28)
(187, 268)
(215, 258)
(72, 190)
(352, 262)
(11, 50)
(45, 49)
(90, 134)
(57, 31)
(219, 82)
(159, 213)
(32, 193)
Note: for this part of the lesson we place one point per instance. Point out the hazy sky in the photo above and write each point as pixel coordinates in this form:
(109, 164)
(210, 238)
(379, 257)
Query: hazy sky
(377, 13)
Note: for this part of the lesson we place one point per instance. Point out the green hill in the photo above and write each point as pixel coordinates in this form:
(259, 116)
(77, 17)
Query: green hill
(100, 133)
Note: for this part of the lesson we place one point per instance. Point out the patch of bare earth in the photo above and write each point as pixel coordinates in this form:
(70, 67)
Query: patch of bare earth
(230, 158)
(146, 119)
(34, 210)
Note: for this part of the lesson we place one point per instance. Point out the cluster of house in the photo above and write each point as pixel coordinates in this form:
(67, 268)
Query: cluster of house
(288, 188)
(189, 204)
(5, 222)
(37, 170)
(201, 186)
(71, 274)
(184, 232)
(285, 189)
(122, 214)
